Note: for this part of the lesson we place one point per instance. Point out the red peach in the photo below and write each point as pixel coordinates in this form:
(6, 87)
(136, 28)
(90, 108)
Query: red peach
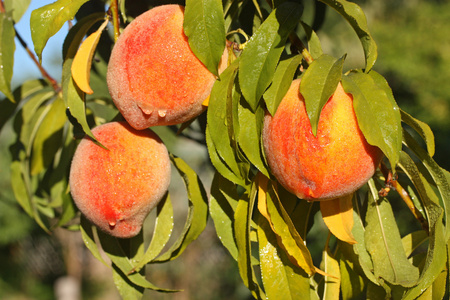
(153, 76)
(117, 187)
(332, 164)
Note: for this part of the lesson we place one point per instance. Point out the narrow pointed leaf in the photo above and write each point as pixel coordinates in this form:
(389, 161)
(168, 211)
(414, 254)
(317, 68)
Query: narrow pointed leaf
(48, 137)
(47, 20)
(242, 226)
(222, 206)
(338, 216)
(161, 233)
(378, 118)
(249, 139)
(290, 240)
(422, 129)
(318, 84)
(205, 28)
(331, 283)
(314, 45)
(197, 211)
(118, 255)
(7, 49)
(262, 52)
(17, 7)
(282, 78)
(281, 279)
(383, 242)
(355, 16)
(81, 66)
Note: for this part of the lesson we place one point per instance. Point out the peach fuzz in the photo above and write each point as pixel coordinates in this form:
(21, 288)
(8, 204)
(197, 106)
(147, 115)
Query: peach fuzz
(153, 76)
(117, 187)
(336, 162)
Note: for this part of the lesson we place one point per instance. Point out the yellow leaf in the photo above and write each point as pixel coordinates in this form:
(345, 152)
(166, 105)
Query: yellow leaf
(81, 66)
(338, 216)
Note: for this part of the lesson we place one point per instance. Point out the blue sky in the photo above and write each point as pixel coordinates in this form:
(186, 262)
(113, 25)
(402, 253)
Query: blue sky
(24, 67)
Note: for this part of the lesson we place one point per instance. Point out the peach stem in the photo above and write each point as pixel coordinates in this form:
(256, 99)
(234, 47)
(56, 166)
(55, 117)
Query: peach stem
(115, 18)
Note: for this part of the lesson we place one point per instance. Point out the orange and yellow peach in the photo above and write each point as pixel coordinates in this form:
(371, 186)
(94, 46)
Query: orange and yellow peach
(153, 76)
(335, 162)
(117, 187)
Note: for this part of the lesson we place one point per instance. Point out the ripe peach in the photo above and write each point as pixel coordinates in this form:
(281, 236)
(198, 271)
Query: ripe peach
(335, 163)
(116, 188)
(153, 76)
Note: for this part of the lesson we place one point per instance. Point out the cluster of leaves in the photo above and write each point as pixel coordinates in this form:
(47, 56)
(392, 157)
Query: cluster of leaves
(263, 226)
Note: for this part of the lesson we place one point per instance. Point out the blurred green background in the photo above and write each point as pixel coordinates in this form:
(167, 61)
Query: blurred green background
(413, 40)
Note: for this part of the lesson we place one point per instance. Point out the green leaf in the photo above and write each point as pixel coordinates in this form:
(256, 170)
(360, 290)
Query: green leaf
(47, 20)
(360, 250)
(220, 130)
(383, 241)
(19, 187)
(242, 227)
(161, 233)
(414, 240)
(281, 278)
(78, 32)
(318, 84)
(352, 283)
(249, 140)
(48, 137)
(422, 129)
(7, 49)
(121, 258)
(331, 267)
(289, 239)
(222, 206)
(125, 287)
(74, 99)
(378, 116)
(355, 16)
(205, 28)
(438, 175)
(284, 74)
(87, 234)
(262, 52)
(314, 45)
(17, 7)
(197, 211)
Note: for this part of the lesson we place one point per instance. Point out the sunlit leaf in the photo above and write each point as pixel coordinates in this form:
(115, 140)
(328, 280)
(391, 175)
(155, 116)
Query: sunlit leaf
(282, 78)
(414, 240)
(48, 137)
(338, 216)
(74, 100)
(357, 19)
(204, 26)
(271, 208)
(220, 127)
(352, 283)
(378, 118)
(383, 241)
(81, 65)
(87, 233)
(47, 20)
(197, 211)
(318, 84)
(17, 7)
(7, 49)
(262, 52)
(333, 281)
(281, 279)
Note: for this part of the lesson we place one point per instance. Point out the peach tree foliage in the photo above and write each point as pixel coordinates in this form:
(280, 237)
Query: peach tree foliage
(263, 226)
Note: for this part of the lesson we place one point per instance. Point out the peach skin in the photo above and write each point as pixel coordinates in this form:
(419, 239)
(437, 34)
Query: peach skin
(335, 163)
(117, 187)
(153, 76)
